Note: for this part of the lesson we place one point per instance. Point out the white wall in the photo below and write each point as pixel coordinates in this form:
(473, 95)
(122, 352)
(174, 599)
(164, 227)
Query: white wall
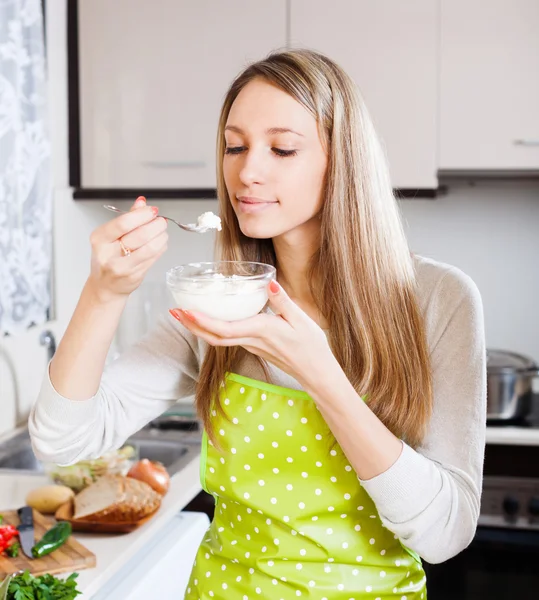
(491, 231)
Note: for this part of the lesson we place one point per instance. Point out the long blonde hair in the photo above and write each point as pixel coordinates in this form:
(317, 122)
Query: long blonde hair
(363, 268)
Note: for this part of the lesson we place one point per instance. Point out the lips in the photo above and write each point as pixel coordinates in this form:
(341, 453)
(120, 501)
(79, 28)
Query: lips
(254, 200)
(252, 204)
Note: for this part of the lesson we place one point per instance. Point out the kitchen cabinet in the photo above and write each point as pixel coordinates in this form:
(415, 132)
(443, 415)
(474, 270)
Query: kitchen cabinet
(152, 78)
(390, 50)
(489, 85)
(161, 569)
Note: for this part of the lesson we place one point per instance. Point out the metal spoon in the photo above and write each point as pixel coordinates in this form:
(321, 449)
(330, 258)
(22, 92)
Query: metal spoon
(193, 227)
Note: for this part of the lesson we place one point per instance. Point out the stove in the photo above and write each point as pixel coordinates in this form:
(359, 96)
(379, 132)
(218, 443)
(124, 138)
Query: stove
(510, 498)
(502, 560)
(529, 422)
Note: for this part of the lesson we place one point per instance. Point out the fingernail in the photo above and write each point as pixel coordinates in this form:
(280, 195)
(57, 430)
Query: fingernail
(178, 313)
(274, 286)
(140, 202)
(155, 210)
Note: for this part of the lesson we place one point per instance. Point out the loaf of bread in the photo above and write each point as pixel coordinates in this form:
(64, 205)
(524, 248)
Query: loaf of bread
(114, 498)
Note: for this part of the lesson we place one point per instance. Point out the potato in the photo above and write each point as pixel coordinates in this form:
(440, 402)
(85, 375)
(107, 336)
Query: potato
(49, 498)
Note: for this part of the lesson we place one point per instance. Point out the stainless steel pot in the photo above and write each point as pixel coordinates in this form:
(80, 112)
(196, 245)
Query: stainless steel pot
(509, 385)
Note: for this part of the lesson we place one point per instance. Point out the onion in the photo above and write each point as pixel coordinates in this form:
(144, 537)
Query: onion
(153, 473)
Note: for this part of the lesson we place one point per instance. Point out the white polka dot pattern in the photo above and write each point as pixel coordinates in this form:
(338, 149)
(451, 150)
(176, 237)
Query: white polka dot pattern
(291, 518)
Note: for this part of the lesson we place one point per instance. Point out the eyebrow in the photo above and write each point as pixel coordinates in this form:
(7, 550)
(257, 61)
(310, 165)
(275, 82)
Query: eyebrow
(270, 131)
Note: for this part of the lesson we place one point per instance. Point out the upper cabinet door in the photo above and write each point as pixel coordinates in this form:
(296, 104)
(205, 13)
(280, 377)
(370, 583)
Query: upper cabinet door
(152, 79)
(390, 49)
(489, 84)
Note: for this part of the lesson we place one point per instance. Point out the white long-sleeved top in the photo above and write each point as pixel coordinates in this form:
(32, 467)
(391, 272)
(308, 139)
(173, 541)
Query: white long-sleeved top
(429, 498)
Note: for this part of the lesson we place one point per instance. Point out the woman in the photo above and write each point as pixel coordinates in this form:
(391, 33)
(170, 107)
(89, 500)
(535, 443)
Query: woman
(345, 426)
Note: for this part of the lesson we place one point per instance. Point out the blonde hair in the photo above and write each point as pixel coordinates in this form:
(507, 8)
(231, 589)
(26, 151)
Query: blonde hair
(363, 268)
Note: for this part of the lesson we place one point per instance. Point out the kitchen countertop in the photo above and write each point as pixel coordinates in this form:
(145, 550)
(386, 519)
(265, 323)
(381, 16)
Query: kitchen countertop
(112, 551)
(510, 434)
(517, 436)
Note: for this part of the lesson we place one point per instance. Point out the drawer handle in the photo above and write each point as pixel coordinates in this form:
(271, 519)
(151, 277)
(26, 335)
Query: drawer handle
(175, 164)
(526, 142)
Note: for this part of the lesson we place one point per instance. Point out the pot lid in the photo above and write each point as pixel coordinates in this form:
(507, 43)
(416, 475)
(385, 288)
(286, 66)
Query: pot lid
(502, 360)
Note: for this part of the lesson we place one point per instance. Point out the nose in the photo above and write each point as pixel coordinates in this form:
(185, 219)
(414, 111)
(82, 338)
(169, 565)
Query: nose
(253, 168)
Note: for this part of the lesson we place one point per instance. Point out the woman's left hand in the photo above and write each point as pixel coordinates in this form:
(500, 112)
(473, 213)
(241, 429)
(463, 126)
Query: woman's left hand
(290, 339)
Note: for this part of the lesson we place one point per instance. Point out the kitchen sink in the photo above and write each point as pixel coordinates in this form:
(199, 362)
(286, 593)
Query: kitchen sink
(165, 446)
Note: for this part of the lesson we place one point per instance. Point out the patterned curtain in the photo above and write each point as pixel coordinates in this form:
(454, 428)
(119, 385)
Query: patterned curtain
(25, 168)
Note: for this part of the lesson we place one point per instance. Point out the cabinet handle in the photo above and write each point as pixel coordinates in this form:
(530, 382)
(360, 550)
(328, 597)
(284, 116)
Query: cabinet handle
(526, 142)
(175, 164)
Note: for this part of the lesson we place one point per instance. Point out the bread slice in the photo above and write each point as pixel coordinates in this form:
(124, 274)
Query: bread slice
(114, 498)
(106, 492)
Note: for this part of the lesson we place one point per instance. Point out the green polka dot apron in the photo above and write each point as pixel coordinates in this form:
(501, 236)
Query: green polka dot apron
(291, 518)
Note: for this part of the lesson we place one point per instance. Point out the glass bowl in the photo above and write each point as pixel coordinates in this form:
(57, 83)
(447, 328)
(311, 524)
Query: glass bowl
(85, 472)
(226, 290)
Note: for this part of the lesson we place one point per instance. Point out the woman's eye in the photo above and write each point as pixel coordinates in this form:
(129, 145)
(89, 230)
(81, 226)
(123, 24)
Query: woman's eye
(284, 153)
(234, 149)
(278, 151)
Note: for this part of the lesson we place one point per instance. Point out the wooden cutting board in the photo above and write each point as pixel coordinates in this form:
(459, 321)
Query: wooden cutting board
(72, 556)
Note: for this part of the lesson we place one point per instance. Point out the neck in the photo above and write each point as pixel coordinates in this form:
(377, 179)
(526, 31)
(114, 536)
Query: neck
(294, 252)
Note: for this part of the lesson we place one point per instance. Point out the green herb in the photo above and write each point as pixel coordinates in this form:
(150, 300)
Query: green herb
(13, 550)
(44, 587)
(1, 519)
(4, 586)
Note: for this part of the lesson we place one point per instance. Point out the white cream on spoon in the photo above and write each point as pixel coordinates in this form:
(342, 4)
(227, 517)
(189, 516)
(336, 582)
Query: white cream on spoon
(207, 221)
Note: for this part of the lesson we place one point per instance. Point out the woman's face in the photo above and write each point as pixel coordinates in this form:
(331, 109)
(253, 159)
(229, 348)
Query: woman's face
(274, 165)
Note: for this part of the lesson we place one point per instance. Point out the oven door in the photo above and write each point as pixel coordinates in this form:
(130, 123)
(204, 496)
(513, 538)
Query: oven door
(499, 564)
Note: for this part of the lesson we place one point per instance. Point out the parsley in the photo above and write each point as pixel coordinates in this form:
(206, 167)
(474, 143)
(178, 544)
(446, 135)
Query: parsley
(13, 550)
(44, 587)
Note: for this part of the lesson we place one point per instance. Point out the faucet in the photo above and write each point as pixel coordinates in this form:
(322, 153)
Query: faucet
(47, 339)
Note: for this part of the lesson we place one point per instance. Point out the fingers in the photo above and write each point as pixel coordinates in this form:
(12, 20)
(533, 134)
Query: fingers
(144, 234)
(150, 250)
(135, 229)
(116, 228)
(246, 328)
(140, 202)
(281, 304)
(145, 240)
(211, 337)
(138, 262)
(130, 221)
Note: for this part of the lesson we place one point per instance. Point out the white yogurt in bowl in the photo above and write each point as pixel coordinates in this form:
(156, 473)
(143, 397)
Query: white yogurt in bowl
(227, 290)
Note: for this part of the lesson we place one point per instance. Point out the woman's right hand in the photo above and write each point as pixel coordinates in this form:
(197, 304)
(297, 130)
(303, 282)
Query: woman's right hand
(113, 272)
